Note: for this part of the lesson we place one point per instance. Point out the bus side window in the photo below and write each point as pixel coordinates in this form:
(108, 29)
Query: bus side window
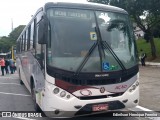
(31, 35)
(39, 50)
(22, 43)
(28, 38)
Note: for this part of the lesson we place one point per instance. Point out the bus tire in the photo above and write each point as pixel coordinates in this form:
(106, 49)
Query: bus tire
(33, 92)
(20, 79)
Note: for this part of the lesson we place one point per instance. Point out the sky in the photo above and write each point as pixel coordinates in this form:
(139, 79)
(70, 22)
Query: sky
(20, 12)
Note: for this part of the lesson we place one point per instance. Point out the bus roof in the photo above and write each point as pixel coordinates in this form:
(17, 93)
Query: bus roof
(85, 5)
(77, 5)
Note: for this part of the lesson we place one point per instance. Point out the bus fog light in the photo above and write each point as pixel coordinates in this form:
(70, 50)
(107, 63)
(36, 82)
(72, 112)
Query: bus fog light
(136, 101)
(56, 91)
(63, 93)
(124, 101)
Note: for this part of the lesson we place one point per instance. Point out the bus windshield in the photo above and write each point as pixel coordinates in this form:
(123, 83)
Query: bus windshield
(86, 40)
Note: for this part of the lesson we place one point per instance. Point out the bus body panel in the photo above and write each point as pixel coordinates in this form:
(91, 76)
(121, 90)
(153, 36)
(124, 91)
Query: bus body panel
(22, 74)
(31, 69)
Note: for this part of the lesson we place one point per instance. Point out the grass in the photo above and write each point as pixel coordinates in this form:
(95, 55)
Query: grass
(142, 44)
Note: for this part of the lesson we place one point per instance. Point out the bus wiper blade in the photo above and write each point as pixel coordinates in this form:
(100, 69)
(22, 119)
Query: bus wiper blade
(105, 44)
(86, 58)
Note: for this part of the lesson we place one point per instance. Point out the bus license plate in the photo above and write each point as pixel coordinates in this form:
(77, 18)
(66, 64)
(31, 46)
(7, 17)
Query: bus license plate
(100, 107)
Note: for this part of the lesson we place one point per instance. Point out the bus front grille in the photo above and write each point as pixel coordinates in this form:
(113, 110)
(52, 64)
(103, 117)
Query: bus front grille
(100, 97)
(90, 82)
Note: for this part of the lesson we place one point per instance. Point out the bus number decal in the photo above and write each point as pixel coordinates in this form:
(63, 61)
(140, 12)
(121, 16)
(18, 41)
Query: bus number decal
(121, 87)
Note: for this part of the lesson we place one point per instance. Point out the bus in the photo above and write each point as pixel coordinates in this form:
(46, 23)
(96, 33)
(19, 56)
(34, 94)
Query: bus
(78, 59)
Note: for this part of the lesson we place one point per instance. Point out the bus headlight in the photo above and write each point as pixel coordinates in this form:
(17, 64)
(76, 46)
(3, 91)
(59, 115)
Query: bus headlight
(68, 96)
(56, 91)
(134, 86)
(137, 83)
(63, 94)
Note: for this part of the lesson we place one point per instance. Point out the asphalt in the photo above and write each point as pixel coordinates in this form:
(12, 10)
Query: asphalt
(150, 87)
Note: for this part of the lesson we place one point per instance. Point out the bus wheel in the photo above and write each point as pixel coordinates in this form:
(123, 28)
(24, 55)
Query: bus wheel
(36, 106)
(20, 80)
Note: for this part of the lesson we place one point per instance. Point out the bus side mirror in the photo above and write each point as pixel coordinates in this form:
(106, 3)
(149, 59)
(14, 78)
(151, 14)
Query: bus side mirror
(42, 32)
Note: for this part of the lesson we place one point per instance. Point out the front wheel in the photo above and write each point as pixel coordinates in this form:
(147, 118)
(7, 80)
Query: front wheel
(36, 106)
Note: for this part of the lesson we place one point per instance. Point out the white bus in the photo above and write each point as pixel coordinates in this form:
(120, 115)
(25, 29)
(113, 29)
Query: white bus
(78, 59)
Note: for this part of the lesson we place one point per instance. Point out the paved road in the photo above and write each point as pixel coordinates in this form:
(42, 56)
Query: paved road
(15, 97)
(150, 87)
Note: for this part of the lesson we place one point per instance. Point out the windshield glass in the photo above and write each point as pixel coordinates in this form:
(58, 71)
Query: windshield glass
(73, 35)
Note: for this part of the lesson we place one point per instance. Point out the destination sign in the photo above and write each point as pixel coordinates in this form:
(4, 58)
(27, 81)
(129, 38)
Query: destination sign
(70, 13)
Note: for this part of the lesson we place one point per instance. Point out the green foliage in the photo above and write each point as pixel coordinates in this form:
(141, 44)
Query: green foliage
(16, 32)
(136, 8)
(156, 31)
(7, 42)
(99, 1)
(142, 44)
(148, 9)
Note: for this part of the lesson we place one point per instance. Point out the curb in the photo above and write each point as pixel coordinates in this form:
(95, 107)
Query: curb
(152, 64)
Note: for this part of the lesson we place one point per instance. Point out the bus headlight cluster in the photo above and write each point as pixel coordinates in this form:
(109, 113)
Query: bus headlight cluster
(61, 93)
(134, 86)
(56, 91)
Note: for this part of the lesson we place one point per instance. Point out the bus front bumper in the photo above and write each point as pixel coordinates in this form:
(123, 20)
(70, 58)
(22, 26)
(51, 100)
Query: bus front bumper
(61, 107)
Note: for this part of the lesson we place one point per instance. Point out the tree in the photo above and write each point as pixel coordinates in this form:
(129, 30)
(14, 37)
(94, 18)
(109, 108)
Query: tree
(7, 42)
(137, 8)
(16, 32)
(99, 1)
(156, 31)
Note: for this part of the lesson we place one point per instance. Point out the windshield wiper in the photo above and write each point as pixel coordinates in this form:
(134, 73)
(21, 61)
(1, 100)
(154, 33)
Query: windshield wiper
(105, 45)
(86, 58)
